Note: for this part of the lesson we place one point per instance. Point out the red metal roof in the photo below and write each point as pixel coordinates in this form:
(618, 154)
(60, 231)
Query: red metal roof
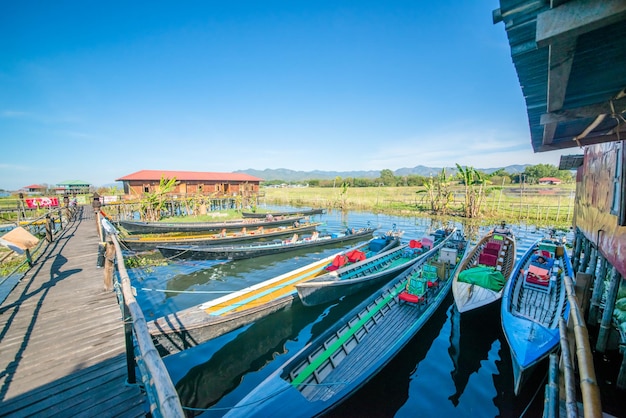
(34, 186)
(187, 176)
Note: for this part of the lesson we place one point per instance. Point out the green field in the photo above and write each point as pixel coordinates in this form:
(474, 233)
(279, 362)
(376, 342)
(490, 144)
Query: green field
(541, 205)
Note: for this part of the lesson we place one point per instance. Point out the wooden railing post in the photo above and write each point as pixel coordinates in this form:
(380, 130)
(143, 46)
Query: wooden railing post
(109, 265)
(48, 228)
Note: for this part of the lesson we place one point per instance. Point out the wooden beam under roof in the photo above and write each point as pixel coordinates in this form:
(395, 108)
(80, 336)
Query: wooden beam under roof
(619, 106)
(597, 138)
(575, 18)
(558, 28)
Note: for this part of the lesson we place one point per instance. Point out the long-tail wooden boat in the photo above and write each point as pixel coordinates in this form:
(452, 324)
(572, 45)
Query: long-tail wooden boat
(347, 355)
(139, 227)
(257, 249)
(192, 326)
(481, 277)
(534, 300)
(305, 212)
(151, 241)
(369, 272)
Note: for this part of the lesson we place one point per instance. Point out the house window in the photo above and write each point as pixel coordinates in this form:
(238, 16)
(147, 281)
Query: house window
(200, 188)
(146, 188)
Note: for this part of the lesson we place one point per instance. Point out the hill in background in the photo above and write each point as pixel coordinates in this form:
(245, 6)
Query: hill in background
(420, 170)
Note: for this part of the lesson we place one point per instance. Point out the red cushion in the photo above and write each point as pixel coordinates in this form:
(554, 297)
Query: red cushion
(407, 297)
(488, 260)
(415, 244)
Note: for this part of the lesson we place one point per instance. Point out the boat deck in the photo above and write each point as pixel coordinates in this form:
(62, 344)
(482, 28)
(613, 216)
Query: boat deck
(259, 295)
(538, 305)
(62, 336)
(386, 325)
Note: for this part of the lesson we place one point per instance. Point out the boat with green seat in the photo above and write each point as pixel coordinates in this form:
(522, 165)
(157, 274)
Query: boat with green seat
(369, 273)
(346, 356)
(192, 326)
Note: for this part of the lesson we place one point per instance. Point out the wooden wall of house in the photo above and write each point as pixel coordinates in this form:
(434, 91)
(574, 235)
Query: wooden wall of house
(595, 212)
(191, 188)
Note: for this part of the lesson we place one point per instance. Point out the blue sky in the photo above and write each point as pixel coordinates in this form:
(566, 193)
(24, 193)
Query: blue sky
(94, 91)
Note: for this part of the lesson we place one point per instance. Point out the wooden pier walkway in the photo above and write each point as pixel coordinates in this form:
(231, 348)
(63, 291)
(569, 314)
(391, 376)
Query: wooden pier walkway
(62, 338)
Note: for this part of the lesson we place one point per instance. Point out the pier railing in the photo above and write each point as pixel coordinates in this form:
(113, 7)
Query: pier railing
(140, 350)
(47, 226)
(580, 345)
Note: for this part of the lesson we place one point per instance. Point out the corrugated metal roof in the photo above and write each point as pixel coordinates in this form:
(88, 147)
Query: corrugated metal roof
(571, 64)
(571, 162)
(73, 183)
(156, 175)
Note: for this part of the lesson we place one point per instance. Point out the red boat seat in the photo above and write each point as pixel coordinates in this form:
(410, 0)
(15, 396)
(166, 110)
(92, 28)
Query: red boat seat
(407, 297)
(339, 261)
(356, 255)
(415, 244)
(488, 259)
(492, 251)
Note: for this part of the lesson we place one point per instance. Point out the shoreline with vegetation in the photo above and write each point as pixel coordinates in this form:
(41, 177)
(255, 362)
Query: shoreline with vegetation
(539, 205)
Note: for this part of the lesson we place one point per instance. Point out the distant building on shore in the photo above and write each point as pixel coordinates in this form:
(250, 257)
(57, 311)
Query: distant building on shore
(549, 180)
(192, 183)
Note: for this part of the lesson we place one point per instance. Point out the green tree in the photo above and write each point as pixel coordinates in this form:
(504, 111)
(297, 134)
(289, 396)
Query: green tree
(153, 203)
(438, 192)
(474, 183)
(387, 178)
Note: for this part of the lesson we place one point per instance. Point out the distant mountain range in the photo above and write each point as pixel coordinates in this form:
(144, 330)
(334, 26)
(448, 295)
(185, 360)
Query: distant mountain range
(420, 170)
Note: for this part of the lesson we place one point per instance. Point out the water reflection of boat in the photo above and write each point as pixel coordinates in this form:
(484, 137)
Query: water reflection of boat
(207, 383)
(471, 339)
(194, 325)
(348, 354)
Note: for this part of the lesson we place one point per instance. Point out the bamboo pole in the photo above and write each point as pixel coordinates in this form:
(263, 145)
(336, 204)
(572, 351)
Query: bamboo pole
(590, 391)
(551, 402)
(571, 405)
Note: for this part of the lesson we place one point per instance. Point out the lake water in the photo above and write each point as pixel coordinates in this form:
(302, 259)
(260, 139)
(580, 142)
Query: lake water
(455, 366)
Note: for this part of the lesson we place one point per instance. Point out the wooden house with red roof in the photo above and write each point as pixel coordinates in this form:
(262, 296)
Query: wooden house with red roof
(35, 188)
(192, 183)
(550, 180)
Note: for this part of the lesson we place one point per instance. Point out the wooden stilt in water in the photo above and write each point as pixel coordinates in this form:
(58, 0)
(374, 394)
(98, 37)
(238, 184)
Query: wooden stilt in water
(598, 291)
(578, 245)
(607, 315)
(586, 255)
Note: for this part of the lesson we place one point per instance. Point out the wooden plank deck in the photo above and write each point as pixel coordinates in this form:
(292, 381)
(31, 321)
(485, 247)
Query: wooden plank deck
(62, 337)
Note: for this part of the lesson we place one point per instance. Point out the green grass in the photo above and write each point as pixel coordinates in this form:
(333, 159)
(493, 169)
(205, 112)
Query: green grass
(540, 205)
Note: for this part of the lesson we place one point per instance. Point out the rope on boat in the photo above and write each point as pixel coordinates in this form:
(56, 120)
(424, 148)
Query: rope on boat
(539, 387)
(147, 289)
